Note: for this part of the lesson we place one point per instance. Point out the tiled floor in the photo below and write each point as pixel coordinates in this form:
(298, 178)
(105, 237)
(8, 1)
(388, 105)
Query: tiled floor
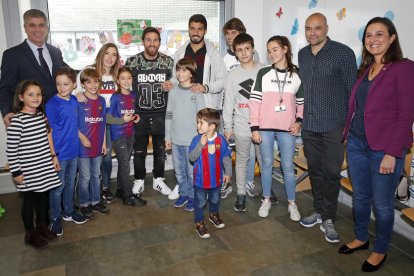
(160, 240)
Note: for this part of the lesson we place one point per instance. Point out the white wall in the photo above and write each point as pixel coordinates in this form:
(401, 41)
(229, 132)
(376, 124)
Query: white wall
(261, 21)
(251, 13)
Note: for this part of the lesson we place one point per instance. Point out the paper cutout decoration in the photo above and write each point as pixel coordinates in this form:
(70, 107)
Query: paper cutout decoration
(295, 27)
(280, 12)
(312, 4)
(341, 14)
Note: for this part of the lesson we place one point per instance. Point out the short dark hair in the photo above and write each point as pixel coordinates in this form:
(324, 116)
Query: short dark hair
(210, 115)
(189, 64)
(88, 74)
(150, 30)
(33, 13)
(393, 53)
(234, 24)
(241, 39)
(198, 18)
(67, 71)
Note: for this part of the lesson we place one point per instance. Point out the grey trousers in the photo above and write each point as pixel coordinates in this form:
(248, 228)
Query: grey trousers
(244, 151)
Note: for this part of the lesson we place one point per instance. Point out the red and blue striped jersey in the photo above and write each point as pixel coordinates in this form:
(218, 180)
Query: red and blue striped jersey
(91, 122)
(208, 168)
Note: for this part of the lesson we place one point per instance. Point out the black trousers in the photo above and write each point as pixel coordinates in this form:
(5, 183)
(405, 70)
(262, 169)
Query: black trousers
(34, 202)
(154, 126)
(325, 154)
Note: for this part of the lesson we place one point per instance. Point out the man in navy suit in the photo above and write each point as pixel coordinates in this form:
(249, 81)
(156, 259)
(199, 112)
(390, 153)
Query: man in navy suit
(32, 59)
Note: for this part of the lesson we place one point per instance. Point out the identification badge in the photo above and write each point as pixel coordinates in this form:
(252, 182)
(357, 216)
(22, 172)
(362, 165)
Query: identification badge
(280, 108)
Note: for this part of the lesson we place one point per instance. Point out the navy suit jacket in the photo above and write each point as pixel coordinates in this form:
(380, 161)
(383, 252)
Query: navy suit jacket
(389, 108)
(18, 64)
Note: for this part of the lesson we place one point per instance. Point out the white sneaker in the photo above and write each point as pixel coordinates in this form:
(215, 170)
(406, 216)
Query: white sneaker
(174, 194)
(264, 209)
(159, 185)
(138, 186)
(294, 212)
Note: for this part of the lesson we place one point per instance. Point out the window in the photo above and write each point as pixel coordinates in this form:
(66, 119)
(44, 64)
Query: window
(79, 28)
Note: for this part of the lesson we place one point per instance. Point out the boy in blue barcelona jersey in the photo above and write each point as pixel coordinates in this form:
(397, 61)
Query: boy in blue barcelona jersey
(62, 115)
(210, 152)
(91, 125)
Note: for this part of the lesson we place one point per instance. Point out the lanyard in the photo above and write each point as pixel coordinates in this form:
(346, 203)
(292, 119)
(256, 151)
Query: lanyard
(281, 86)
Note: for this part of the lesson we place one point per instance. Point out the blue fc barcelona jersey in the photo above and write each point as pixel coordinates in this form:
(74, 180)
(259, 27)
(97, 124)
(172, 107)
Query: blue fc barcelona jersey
(120, 105)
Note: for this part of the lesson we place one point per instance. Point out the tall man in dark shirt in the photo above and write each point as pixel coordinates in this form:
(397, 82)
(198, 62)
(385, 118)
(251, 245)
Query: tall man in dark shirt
(150, 69)
(328, 71)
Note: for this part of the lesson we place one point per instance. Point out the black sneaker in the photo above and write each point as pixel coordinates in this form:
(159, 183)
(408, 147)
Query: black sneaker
(273, 198)
(240, 204)
(100, 208)
(107, 196)
(134, 200)
(87, 212)
(119, 194)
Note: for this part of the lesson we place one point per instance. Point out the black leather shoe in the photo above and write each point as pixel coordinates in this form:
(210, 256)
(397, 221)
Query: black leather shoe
(368, 267)
(344, 249)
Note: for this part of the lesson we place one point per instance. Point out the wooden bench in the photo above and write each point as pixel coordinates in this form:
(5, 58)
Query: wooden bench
(409, 213)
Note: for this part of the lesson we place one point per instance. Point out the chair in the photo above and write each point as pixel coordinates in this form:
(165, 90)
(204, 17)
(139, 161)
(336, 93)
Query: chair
(301, 163)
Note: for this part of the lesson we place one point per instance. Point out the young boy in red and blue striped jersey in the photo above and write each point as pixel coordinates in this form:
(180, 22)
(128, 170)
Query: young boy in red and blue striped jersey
(210, 153)
(91, 126)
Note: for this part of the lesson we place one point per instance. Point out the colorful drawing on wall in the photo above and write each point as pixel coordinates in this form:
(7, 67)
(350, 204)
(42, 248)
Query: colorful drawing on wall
(130, 30)
(280, 12)
(87, 45)
(175, 38)
(67, 49)
(106, 37)
(312, 4)
(341, 14)
(389, 15)
(295, 27)
(69, 53)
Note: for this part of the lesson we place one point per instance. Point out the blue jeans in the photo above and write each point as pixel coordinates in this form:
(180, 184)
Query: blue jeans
(183, 170)
(369, 186)
(106, 167)
(123, 149)
(286, 143)
(89, 182)
(200, 198)
(63, 195)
